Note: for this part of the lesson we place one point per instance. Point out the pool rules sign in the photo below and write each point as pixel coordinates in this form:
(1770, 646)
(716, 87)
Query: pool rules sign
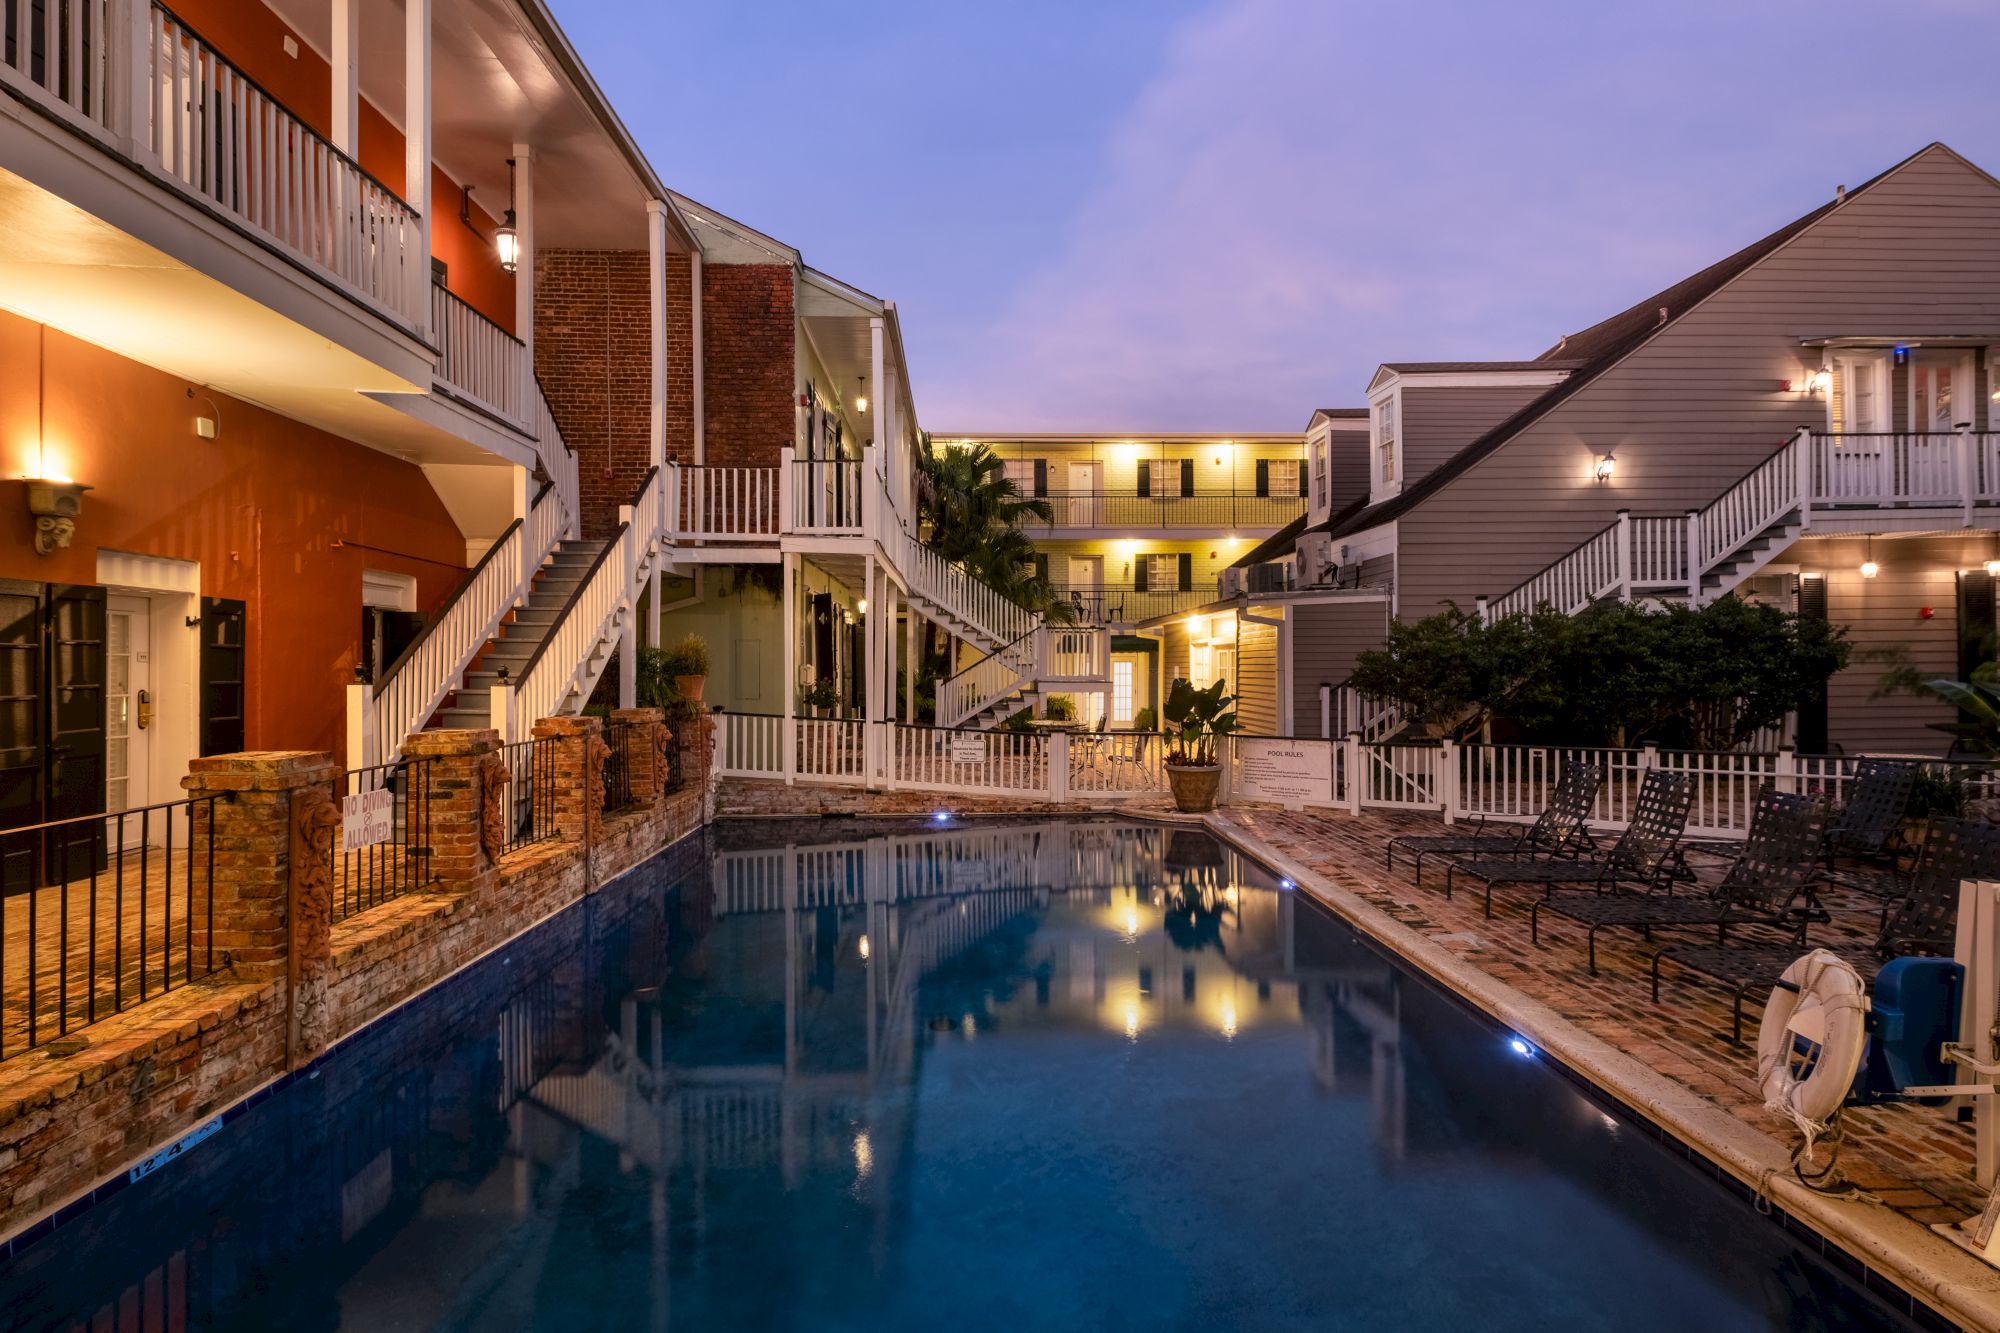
(1290, 773)
(366, 818)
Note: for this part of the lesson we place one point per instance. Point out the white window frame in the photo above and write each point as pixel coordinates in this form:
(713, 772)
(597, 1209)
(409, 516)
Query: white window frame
(1170, 561)
(1123, 681)
(1287, 467)
(1385, 445)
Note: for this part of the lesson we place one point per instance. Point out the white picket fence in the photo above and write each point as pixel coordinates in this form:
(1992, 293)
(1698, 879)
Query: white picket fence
(1459, 782)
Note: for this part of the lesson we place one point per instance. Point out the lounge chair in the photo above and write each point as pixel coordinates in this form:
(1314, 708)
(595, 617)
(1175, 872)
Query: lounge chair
(1923, 921)
(1872, 815)
(1769, 884)
(1560, 828)
(1646, 853)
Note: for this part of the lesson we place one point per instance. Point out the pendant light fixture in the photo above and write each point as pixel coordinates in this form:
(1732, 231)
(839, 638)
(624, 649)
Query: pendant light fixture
(1869, 569)
(861, 398)
(507, 241)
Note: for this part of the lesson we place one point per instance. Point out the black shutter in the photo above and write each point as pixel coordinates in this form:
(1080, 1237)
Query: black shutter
(1139, 573)
(76, 620)
(1042, 567)
(1187, 476)
(857, 659)
(224, 677)
(822, 625)
(1812, 735)
(22, 726)
(1145, 477)
(1187, 571)
(1041, 477)
(1976, 627)
(1302, 479)
(1263, 476)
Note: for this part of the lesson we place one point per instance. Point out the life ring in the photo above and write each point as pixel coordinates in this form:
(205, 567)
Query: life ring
(1811, 1040)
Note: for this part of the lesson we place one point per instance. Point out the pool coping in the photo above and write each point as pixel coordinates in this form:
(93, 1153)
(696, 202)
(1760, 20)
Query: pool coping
(1924, 1265)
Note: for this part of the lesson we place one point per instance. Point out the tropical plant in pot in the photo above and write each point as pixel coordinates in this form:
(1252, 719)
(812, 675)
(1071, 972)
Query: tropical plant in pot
(687, 663)
(822, 696)
(1196, 720)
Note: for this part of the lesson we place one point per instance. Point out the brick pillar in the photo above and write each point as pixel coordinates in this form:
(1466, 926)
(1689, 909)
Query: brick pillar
(466, 784)
(696, 738)
(262, 796)
(645, 752)
(579, 775)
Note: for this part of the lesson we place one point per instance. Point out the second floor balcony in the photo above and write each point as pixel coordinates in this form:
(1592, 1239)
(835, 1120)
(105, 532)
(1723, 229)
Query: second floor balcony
(1215, 512)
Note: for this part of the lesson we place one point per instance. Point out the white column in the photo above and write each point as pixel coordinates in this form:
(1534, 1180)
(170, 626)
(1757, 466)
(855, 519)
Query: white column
(628, 629)
(656, 250)
(524, 499)
(345, 57)
(417, 149)
(789, 738)
(524, 230)
(912, 646)
(129, 90)
(700, 413)
(871, 671)
(876, 394)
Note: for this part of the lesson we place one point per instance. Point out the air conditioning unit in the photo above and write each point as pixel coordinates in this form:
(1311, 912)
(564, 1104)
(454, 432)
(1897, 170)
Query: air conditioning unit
(1229, 583)
(1316, 563)
(1272, 576)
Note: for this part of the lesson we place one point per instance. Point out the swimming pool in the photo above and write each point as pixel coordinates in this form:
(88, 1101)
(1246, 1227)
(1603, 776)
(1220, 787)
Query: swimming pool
(839, 1076)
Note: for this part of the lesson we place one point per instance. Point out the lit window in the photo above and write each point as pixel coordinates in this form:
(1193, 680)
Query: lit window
(1319, 473)
(1284, 476)
(1385, 437)
(1121, 691)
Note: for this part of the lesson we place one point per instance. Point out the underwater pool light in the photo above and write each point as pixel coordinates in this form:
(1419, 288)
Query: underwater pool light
(941, 816)
(1520, 1047)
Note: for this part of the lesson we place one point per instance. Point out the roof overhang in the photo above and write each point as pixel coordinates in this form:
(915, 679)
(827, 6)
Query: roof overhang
(1881, 341)
(1387, 377)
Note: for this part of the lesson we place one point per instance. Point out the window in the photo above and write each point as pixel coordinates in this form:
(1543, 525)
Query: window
(1319, 499)
(1385, 437)
(1162, 571)
(1020, 471)
(1284, 476)
(1121, 691)
(1858, 402)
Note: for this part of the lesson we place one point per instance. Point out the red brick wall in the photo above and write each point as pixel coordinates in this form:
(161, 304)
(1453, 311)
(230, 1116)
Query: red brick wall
(749, 332)
(593, 352)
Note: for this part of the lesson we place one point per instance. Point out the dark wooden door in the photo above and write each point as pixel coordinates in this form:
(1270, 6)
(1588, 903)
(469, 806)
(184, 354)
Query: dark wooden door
(223, 680)
(23, 727)
(75, 649)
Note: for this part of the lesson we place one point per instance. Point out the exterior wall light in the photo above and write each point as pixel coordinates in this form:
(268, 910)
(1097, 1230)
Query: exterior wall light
(861, 398)
(1869, 569)
(1817, 382)
(1993, 566)
(1606, 466)
(862, 606)
(55, 502)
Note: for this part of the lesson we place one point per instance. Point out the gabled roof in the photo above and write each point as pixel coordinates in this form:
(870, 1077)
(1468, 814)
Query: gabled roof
(1349, 417)
(1596, 350)
(1470, 367)
(1278, 544)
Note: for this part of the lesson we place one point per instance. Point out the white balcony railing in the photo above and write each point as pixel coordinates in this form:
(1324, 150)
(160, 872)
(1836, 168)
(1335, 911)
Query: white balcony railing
(711, 503)
(479, 361)
(826, 496)
(224, 139)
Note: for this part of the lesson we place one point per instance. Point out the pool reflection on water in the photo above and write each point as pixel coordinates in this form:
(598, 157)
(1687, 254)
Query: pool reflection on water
(1068, 1074)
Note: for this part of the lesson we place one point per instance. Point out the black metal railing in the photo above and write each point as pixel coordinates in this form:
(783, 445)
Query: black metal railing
(530, 795)
(369, 870)
(623, 738)
(1201, 509)
(1124, 604)
(102, 912)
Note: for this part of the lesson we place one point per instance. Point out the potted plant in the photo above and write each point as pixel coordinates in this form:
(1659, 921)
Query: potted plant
(1196, 719)
(822, 696)
(1935, 794)
(1060, 708)
(687, 663)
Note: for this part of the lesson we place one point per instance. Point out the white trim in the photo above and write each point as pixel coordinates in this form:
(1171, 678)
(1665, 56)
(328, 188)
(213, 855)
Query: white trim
(151, 573)
(388, 590)
(1468, 379)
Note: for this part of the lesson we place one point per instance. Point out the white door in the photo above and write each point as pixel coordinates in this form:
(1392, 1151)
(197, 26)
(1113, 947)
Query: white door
(1082, 484)
(1086, 587)
(1940, 392)
(1856, 468)
(128, 704)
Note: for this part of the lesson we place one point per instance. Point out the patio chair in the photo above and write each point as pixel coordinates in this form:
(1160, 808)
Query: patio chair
(1923, 921)
(1872, 814)
(1769, 884)
(1646, 853)
(1560, 828)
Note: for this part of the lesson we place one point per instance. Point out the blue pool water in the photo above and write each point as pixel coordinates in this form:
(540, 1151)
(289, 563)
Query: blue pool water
(1061, 1075)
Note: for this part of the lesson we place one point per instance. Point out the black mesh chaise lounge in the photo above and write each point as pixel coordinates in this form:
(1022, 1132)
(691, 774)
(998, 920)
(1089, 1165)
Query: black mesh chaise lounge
(1561, 828)
(1872, 814)
(1647, 853)
(1769, 884)
(1923, 921)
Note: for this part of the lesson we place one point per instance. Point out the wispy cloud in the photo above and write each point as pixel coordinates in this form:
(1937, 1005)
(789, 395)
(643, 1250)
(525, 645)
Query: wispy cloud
(1302, 191)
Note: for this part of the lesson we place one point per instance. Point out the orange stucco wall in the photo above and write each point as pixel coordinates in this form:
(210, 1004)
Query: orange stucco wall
(253, 37)
(261, 509)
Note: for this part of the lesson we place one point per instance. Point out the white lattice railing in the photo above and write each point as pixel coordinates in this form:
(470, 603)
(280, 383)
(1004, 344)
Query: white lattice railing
(224, 139)
(973, 603)
(1357, 714)
(994, 678)
(61, 52)
(825, 496)
(558, 460)
(709, 503)
(970, 762)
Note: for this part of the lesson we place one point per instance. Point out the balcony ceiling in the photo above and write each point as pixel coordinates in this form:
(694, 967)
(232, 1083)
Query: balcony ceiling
(498, 85)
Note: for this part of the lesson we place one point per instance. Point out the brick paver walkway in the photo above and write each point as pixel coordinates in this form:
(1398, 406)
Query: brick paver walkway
(1918, 1160)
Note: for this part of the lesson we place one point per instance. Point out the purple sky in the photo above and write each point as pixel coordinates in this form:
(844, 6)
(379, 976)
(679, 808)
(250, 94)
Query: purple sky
(1172, 215)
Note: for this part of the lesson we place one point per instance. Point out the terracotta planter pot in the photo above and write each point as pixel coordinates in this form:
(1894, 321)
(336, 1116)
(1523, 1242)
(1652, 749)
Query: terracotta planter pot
(691, 687)
(1194, 786)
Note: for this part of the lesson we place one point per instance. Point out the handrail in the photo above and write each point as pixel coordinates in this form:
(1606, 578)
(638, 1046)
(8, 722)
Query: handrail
(1495, 610)
(238, 72)
(471, 576)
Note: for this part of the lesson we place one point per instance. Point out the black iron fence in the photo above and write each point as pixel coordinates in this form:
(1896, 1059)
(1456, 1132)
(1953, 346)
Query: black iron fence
(383, 848)
(100, 912)
(624, 738)
(530, 797)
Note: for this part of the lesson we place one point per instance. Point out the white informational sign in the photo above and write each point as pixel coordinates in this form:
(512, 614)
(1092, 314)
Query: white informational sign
(367, 818)
(1290, 773)
(968, 750)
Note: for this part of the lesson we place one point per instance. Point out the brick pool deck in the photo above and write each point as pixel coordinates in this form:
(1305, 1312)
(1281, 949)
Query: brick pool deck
(1918, 1160)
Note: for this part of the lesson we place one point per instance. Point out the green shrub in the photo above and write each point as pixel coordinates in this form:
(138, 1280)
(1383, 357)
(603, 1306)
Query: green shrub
(1060, 708)
(1146, 719)
(689, 657)
(1939, 794)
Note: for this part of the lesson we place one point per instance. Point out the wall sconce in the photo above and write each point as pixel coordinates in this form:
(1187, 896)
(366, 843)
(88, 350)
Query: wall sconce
(1606, 466)
(1993, 567)
(507, 241)
(1814, 385)
(55, 502)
